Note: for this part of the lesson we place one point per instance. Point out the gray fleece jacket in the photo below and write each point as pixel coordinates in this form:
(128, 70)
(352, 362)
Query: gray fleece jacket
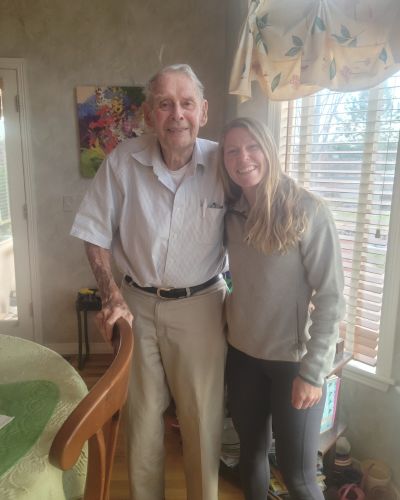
(269, 310)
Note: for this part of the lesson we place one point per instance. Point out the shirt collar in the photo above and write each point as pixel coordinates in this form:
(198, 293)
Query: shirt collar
(150, 154)
(144, 154)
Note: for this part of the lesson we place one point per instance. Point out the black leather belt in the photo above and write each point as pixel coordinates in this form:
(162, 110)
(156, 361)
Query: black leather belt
(174, 293)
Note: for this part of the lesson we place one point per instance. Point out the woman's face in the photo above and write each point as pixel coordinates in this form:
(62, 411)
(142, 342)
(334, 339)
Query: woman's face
(244, 160)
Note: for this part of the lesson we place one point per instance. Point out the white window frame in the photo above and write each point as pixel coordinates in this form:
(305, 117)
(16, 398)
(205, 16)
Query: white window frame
(379, 377)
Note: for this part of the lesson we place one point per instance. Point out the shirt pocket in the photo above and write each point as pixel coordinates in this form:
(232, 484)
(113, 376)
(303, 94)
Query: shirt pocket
(208, 225)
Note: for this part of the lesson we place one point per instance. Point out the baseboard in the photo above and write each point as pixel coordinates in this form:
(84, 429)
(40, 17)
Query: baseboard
(72, 348)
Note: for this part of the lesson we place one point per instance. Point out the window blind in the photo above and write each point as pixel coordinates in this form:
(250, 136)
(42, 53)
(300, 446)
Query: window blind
(343, 147)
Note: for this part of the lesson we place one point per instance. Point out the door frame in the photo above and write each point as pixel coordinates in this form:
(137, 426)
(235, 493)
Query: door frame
(18, 64)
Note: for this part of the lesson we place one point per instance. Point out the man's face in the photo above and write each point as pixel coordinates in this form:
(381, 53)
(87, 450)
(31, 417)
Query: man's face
(176, 113)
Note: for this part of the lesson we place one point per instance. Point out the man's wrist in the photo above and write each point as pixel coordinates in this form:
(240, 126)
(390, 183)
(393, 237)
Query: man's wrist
(113, 295)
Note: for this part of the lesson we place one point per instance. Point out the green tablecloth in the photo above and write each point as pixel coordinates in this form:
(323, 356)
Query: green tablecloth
(34, 369)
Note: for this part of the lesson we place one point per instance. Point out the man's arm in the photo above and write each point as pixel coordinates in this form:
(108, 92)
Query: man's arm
(113, 303)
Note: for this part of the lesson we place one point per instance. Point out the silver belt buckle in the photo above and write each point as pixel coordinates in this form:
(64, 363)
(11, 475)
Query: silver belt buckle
(162, 290)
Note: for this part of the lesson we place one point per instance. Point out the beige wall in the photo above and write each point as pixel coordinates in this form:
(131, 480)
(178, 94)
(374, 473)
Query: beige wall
(373, 418)
(77, 42)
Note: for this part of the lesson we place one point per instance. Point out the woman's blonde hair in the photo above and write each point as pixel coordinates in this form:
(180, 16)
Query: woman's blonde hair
(277, 220)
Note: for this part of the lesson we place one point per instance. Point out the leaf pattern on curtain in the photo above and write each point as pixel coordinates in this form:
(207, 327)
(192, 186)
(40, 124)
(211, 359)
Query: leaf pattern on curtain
(296, 47)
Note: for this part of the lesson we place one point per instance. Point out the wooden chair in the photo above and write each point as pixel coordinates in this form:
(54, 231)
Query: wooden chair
(96, 419)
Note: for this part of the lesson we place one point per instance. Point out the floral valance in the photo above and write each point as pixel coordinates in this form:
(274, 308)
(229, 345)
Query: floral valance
(296, 47)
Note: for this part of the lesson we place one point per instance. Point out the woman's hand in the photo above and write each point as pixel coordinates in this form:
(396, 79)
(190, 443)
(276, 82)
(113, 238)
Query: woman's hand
(304, 395)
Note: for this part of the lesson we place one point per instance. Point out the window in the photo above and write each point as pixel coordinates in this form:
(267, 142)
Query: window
(343, 146)
(5, 218)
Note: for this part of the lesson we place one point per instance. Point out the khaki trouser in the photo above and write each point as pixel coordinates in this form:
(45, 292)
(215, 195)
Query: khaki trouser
(180, 351)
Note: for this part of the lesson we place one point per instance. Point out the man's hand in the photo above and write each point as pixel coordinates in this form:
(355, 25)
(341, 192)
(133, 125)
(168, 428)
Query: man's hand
(304, 395)
(113, 303)
(114, 308)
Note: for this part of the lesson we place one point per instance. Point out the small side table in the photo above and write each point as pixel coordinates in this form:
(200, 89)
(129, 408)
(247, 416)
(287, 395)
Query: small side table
(86, 300)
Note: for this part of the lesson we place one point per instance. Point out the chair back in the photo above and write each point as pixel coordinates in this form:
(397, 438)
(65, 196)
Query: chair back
(96, 420)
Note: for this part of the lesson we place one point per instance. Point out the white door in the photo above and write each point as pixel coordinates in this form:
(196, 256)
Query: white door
(16, 311)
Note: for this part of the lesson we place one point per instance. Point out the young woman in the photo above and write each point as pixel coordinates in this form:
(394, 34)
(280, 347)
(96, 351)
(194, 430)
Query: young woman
(285, 262)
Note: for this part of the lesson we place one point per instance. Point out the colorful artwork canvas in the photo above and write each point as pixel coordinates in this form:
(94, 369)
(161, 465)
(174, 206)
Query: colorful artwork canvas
(106, 116)
(332, 393)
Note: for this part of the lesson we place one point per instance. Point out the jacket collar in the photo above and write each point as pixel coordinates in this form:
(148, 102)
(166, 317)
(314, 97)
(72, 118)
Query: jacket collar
(240, 207)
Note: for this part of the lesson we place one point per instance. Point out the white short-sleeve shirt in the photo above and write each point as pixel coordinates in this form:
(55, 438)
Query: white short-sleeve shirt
(158, 236)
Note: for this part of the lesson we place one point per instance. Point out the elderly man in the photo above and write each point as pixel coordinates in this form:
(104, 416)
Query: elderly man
(157, 204)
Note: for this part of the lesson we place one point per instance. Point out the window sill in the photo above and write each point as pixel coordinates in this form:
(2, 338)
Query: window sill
(360, 372)
(4, 322)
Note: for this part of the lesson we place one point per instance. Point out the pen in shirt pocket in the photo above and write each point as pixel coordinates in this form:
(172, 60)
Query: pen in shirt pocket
(203, 208)
(204, 205)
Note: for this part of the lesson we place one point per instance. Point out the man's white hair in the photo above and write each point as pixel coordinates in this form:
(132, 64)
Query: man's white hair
(173, 68)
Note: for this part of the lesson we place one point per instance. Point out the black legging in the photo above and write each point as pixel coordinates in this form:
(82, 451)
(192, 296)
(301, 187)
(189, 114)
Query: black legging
(259, 396)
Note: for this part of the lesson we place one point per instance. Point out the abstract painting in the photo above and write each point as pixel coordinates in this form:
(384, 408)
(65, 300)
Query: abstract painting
(106, 116)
